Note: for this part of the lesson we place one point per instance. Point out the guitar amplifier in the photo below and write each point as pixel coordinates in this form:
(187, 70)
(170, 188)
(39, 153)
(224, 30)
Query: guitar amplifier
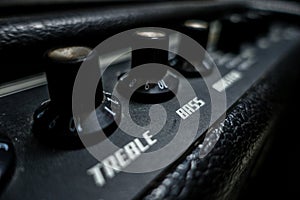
(148, 100)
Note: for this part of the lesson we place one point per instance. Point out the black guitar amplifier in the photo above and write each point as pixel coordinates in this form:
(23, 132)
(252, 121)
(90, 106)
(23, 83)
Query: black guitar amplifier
(148, 100)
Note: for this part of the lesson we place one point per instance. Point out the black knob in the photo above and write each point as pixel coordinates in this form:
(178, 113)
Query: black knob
(62, 66)
(150, 46)
(142, 42)
(239, 29)
(53, 120)
(199, 31)
(233, 32)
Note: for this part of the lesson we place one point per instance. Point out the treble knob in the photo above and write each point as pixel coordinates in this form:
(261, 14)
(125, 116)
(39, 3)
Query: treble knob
(156, 83)
(53, 121)
(142, 54)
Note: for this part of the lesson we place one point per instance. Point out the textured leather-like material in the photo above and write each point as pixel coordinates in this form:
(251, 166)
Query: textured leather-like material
(240, 137)
(25, 38)
(220, 174)
(38, 29)
(58, 28)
